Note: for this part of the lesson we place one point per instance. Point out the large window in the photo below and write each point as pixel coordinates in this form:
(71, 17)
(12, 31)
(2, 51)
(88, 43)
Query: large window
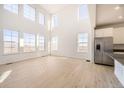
(83, 12)
(29, 42)
(11, 7)
(10, 39)
(29, 12)
(54, 43)
(54, 21)
(41, 19)
(41, 43)
(82, 42)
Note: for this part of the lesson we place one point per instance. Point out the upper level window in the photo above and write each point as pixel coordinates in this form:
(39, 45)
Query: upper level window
(41, 43)
(11, 7)
(29, 12)
(83, 12)
(82, 42)
(29, 42)
(10, 41)
(54, 43)
(54, 21)
(41, 19)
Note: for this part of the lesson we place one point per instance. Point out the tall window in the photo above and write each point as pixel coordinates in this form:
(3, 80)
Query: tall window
(29, 42)
(41, 43)
(83, 12)
(54, 21)
(41, 19)
(10, 39)
(11, 7)
(82, 42)
(29, 12)
(54, 43)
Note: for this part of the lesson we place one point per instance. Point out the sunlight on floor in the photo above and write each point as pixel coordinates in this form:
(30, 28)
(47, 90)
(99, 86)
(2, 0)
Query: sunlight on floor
(5, 75)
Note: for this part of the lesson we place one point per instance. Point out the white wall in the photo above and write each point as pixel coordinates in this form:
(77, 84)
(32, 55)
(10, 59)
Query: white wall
(18, 22)
(68, 29)
(92, 14)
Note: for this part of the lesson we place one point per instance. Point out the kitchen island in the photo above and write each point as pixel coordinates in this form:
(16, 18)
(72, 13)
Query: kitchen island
(118, 65)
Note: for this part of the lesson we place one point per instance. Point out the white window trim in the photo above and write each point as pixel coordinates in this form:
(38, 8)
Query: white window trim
(27, 17)
(84, 51)
(34, 43)
(40, 16)
(78, 13)
(56, 49)
(54, 21)
(17, 13)
(39, 47)
(18, 42)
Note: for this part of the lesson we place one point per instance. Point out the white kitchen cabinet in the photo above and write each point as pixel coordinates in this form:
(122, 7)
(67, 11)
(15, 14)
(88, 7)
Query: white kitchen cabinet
(106, 32)
(118, 35)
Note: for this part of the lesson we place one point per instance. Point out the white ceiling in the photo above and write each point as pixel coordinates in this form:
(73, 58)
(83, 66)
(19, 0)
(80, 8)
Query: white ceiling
(107, 14)
(53, 8)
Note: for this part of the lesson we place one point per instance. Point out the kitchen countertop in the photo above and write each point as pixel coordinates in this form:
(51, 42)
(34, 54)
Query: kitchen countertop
(118, 57)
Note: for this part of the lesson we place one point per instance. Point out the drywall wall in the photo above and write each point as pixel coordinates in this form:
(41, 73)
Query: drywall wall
(19, 23)
(68, 28)
(92, 16)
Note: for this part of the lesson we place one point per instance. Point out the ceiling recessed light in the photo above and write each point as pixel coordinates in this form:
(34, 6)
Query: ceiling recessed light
(117, 7)
(120, 17)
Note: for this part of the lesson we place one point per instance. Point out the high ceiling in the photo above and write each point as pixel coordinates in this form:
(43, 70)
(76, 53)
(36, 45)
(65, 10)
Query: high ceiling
(105, 13)
(109, 14)
(53, 8)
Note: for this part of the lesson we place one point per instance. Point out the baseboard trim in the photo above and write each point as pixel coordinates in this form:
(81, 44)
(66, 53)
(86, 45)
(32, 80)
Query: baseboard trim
(9, 63)
(71, 57)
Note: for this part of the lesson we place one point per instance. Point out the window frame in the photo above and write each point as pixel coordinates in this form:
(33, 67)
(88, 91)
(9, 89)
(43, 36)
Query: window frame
(54, 21)
(84, 50)
(28, 42)
(18, 48)
(11, 10)
(86, 12)
(40, 47)
(29, 13)
(40, 16)
(56, 43)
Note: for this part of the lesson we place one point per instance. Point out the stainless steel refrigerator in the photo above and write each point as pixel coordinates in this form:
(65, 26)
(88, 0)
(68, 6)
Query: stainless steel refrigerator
(103, 47)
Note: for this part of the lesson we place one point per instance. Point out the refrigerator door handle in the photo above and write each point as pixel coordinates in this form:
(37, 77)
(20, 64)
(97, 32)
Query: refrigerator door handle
(98, 47)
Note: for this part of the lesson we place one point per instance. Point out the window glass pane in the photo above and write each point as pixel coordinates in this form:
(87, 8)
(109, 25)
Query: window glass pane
(7, 50)
(83, 42)
(54, 43)
(29, 12)
(11, 7)
(83, 12)
(83, 37)
(10, 39)
(54, 20)
(41, 19)
(41, 43)
(29, 42)
(14, 50)
(7, 38)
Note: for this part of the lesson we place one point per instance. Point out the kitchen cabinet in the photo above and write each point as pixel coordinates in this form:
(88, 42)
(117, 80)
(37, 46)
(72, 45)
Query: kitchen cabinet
(106, 32)
(118, 35)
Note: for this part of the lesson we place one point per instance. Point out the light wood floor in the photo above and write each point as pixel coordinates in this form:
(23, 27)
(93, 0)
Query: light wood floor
(62, 72)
